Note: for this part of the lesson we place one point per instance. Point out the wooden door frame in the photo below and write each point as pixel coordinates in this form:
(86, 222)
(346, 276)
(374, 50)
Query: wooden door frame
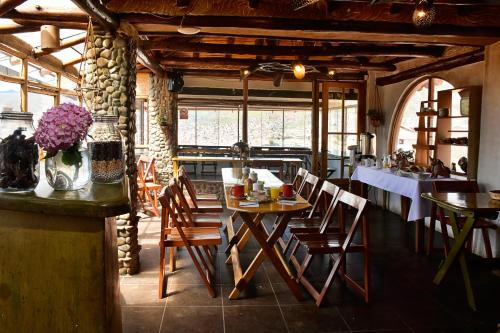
(325, 88)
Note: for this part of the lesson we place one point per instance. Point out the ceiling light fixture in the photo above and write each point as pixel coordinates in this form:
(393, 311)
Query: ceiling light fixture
(331, 73)
(244, 73)
(424, 13)
(187, 30)
(299, 71)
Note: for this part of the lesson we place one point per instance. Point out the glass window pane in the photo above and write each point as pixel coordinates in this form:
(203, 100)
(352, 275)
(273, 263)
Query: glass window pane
(297, 128)
(187, 126)
(41, 75)
(38, 104)
(10, 65)
(67, 83)
(335, 144)
(349, 140)
(207, 127)
(69, 99)
(228, 127)
(409, 119)
(351, 116)
(254, 128)
(10, 96)
(272, 128)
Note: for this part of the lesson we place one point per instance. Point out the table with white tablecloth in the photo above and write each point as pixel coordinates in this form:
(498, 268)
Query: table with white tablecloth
(408, 187)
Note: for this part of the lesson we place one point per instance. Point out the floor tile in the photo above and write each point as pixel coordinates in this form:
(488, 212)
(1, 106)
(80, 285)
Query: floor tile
(310, 318)
(371, 317)
(192, 295)
(141, 319)
(253, 319)
(259, 293)
(193, 319)
(140, 295)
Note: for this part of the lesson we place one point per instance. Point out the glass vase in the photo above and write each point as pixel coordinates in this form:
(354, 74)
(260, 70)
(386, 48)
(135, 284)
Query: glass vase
(68, 170)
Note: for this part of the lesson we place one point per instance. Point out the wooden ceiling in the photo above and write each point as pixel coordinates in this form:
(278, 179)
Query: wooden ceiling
(352, 37)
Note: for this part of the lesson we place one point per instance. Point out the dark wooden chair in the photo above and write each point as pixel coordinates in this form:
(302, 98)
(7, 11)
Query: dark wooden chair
(299, 179)
(205, 166)
(206, 204)
(147, 184)
(439, 213)
(315, 219)
(337, 245)
(177, 231)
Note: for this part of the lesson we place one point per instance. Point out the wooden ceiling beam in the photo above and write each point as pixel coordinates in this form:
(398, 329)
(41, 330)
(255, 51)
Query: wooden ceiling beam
(39, 13)
(65, 43)
(13, 27)
(7, 5)
(74, 61)
(300, 51)
(441, 65)
(236, 64)
(381, 32)
(474, 15)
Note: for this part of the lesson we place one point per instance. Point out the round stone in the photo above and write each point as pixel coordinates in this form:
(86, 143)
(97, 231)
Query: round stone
(102, 62)
(106, 43)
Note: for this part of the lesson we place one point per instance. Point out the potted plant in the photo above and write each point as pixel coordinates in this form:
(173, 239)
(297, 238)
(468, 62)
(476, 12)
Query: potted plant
(376, 117)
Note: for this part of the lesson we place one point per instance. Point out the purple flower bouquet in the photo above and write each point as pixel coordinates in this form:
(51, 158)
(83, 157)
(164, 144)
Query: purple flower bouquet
(62, 128)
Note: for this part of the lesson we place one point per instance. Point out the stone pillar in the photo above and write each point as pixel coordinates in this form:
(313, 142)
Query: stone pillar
(110, 67)
(162, 110)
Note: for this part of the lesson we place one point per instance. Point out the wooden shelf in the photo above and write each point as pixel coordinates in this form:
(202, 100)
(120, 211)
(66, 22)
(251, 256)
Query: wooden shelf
(451, 117)
(458, 131)
(427, 113)
(430, 129)
(428, 147)
(454, 144)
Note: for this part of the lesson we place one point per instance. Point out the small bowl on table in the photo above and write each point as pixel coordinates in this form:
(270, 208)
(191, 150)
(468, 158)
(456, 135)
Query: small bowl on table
(494, 194)
(421, 175)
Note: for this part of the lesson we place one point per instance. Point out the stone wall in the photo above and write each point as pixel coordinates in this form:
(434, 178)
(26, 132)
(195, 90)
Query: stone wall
(162, 110)
(109, 88)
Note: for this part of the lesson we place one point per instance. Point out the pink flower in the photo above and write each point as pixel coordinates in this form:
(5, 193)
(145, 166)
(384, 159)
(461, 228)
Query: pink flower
(62, 126)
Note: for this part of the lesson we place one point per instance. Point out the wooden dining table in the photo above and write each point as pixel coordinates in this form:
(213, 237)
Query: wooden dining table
(252, 218)
(472, 206)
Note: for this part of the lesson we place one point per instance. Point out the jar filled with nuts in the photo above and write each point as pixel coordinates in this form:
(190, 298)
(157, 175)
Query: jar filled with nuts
(106, 150)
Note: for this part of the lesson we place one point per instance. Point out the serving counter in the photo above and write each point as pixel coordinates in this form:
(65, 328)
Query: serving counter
(58, 259)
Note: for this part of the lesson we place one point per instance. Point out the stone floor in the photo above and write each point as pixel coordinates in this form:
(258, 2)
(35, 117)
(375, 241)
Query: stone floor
(403, 296)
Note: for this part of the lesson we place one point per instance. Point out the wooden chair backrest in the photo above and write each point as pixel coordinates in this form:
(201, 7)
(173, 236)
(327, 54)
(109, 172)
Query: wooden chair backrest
(464, 186)
(170, 209)
(343, 200)
(327, 193)
(146, 170)
(299, 179)
(180, 201)
(310, 187)
(186, 183)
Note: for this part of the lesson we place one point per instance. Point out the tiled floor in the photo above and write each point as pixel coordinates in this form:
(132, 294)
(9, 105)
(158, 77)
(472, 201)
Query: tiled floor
(403, 296)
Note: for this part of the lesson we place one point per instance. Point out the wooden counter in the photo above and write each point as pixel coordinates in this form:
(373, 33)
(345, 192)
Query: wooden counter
(59, 261)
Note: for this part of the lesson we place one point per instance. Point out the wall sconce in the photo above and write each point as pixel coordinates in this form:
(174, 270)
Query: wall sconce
(299, 71)
(424, 13)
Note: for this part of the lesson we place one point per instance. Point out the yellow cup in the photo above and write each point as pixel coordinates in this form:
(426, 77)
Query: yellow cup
(275, 193)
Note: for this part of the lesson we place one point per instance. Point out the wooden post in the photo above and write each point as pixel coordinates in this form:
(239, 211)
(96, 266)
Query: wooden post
(24, 86)
(315, 127)
(324, 131)
(57, 98)
(244, 134)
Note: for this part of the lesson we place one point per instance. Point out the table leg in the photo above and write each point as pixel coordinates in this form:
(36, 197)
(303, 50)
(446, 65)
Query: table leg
(457, 249)
(267, 249)
(175, 165)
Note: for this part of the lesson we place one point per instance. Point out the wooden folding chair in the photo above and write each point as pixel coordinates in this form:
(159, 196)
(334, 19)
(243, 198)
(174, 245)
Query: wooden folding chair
(337, 245)
(317, 216)
(181, 233)
(197, 203)
(438, 212)
(148, 186)
(298, 181)
(309, 188)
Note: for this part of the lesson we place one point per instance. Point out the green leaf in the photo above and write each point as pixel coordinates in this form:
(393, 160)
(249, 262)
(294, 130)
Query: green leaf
(72, 156)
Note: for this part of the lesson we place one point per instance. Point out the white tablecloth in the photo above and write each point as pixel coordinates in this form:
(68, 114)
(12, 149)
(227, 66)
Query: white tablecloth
(406, 186)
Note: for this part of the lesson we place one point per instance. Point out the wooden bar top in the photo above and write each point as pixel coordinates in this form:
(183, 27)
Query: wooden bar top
(95, 200)
(475, 202)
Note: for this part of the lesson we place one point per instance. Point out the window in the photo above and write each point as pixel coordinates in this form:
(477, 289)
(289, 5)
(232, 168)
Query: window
(38, 104)
(141, 122)
(41, 75)
(208, 126)
(10, 96)
(69, 99)
(342, 120)
(403, 135)
(297, 128)
(10, 65)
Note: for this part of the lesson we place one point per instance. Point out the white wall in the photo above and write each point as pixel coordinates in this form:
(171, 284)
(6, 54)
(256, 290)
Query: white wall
(489, 145)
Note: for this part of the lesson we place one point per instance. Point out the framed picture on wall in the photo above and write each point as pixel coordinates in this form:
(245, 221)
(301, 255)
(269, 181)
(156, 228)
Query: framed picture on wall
(183, 113)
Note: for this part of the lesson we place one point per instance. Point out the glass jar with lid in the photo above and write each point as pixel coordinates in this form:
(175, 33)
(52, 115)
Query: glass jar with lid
(19, 167)
(106, 150)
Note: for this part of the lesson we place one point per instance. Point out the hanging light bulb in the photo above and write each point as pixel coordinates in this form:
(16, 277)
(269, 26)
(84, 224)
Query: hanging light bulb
(331, 72)
(424, 13)
(299, 71)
